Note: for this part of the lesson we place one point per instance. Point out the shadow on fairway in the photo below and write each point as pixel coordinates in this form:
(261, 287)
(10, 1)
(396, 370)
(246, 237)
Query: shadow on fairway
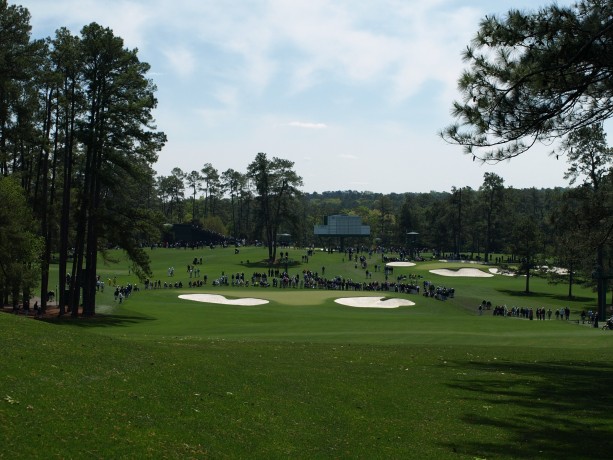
(100, 320)
(264, 264)
(548, 410)
(561, 298)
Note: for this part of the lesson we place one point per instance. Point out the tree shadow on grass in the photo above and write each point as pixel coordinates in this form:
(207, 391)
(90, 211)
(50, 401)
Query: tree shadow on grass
(549, 410)
(265, 264)
(99, 320)
(561, 298)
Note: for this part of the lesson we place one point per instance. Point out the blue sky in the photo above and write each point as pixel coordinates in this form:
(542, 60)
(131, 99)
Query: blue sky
(354, 92)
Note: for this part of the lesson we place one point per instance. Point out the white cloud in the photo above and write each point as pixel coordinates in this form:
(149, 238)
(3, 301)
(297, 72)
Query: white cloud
(209, 117)
(181, 61)
(129, 20)
(233, 77)
(404, 43)
(228, 96)
(307, 125)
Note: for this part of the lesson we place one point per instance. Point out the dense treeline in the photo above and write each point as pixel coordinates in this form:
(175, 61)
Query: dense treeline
(76, 133)
(542, 76)
(533, 226)
(77, 150)
(565, 227)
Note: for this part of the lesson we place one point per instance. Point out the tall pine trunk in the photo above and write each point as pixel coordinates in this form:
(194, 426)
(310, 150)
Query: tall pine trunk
(67, 160)
(44, 212)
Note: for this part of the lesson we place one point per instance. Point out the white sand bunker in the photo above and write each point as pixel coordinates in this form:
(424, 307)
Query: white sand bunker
(373, 302)
(497, 271)
(467, 272)
(214, 298)
(400, 264)
(556, 270)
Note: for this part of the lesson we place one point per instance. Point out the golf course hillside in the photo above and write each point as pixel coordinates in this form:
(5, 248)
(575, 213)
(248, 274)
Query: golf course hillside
(221, 355)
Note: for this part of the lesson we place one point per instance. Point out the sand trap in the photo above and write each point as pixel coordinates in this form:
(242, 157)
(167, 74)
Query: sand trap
(373, 302)
(497, 271)
(400, 264)
(468, 272)
(557, 270)
(214, 298)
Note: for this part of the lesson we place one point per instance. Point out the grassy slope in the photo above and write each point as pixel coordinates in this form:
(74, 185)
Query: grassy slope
(303, 377)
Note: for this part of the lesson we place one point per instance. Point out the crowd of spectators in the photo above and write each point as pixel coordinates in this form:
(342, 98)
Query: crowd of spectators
(530, 313)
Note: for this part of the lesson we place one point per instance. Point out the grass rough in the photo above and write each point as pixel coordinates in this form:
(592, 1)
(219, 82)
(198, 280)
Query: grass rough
(303, 377)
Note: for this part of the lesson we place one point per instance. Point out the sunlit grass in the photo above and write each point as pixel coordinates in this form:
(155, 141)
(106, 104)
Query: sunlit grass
(304, 377)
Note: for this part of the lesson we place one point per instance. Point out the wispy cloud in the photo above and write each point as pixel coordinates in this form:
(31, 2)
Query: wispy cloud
(129, 20)
(396, 44)
(307, 125)
(240, 76)
(181, 61)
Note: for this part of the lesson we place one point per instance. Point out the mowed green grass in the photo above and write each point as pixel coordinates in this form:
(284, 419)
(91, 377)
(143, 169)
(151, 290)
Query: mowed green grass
(304, 377)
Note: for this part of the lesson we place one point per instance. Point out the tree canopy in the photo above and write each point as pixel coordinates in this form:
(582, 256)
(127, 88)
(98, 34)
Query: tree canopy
(277, 185)
(20, 247)
(534, 77)
(78, 135)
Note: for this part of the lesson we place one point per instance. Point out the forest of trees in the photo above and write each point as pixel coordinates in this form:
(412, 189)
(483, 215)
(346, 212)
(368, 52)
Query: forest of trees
(77, 135)
(78, 145)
